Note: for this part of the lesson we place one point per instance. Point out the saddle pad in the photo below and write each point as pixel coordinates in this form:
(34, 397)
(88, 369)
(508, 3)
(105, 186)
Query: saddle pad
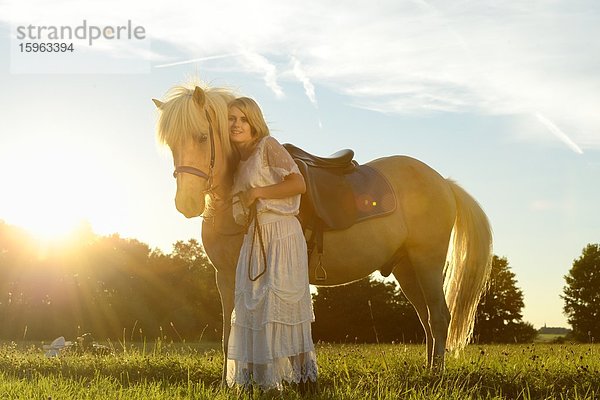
(373, 194)
(342, 199)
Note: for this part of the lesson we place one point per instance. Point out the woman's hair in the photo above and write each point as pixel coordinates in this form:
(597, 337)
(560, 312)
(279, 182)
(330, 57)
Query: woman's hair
(254, 115)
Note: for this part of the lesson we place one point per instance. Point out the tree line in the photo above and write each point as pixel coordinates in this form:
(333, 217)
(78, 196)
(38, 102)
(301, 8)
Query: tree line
(122, 289)
(108, 286)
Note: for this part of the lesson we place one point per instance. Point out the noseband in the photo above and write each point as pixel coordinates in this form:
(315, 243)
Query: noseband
(195, 171)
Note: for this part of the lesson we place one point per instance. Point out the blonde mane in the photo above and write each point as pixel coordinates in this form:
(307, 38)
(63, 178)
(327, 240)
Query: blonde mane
(181, 119)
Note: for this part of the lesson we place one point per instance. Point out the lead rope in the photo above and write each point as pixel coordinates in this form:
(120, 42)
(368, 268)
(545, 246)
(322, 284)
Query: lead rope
(256, 231)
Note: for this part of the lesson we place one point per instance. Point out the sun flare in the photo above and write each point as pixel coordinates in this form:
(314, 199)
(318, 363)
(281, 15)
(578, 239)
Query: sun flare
(45, 204)
(54, 227)
(49, 198)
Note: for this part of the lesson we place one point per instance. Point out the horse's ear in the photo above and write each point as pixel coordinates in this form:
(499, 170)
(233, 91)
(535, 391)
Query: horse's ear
(158, 103)
(199, 96)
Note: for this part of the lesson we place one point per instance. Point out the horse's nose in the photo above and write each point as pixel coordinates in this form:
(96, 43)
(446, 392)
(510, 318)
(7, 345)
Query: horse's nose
(189, 206)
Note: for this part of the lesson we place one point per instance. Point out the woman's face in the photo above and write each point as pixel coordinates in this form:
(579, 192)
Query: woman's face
(240, 131)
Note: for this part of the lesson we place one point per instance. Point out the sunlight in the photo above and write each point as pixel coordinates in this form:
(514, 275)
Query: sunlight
(51, 227)
(50, 196)
(45, 201)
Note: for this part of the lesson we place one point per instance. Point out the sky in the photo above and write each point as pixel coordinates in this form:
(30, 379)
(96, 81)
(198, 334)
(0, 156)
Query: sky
(502, 97)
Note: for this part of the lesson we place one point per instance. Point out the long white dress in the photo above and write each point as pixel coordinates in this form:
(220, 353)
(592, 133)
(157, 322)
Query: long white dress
(270, 340)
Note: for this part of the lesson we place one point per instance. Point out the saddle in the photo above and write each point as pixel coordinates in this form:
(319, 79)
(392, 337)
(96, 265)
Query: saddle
(339, 194)
(339, 161)
(328, 196)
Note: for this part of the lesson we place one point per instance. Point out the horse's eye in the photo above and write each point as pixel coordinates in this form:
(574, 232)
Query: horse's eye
(203, 138)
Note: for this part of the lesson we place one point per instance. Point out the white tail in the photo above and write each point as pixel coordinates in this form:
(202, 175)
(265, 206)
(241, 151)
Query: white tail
(468, 266)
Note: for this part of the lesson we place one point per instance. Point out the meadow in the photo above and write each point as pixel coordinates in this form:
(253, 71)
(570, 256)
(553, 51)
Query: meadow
(347, 371)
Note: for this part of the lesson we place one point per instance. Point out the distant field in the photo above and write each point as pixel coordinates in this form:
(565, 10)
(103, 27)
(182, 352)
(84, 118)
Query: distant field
(158, 371)
(549, 337)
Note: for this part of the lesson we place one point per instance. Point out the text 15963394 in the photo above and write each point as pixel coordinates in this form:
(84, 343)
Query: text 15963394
(46, 47)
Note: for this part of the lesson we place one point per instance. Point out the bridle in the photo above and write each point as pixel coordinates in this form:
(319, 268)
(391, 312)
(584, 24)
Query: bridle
(197, 172)
(209, 177)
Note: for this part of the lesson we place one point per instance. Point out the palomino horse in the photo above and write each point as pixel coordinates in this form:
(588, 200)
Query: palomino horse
(444, 237)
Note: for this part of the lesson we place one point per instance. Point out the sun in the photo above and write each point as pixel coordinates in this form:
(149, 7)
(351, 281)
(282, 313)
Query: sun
(46, 196)
(51, 220)
(51, 227)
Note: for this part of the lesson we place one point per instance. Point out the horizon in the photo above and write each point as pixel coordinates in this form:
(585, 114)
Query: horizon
(70, 240)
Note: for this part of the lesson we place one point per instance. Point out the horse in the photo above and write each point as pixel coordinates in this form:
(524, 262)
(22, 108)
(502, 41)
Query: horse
(438, 236)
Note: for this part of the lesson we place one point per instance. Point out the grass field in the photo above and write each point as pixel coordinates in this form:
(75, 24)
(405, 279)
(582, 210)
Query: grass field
(550, 338)
(347, 371)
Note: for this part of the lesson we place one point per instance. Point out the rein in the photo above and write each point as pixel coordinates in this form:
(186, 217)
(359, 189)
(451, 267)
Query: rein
(197, 172)
(256, 232)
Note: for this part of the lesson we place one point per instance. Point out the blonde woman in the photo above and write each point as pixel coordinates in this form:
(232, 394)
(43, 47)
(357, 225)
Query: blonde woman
(270, 341)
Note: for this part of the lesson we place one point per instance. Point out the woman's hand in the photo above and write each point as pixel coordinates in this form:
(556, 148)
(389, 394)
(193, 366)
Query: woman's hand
(248, 197)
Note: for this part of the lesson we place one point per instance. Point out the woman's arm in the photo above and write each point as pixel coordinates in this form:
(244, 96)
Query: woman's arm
(292, 185)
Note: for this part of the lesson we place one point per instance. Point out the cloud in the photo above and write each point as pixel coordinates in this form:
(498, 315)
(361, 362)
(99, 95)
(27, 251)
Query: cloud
(410, 57)
(558, 133)
(195, 60)
(301, 75)
(257, 63)
(545, 205)
(542, 205)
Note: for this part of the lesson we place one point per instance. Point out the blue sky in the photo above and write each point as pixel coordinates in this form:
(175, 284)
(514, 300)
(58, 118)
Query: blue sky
(502, 98)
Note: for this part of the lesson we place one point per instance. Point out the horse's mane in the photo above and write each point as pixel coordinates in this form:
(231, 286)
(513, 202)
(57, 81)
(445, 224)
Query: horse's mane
(181, 119)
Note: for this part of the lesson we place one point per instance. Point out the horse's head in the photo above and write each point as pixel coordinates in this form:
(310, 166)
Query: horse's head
(193, 123)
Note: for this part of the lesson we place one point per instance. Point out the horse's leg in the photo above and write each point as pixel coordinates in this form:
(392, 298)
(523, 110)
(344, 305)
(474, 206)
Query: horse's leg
(226, 284)
(428, 264)
(405, 275)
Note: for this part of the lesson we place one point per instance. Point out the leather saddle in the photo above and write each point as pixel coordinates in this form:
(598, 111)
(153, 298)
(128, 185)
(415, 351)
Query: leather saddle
(339, 161)
(339, 193)
(329, 196)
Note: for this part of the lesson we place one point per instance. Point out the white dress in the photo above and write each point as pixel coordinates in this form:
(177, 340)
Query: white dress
(270, 340)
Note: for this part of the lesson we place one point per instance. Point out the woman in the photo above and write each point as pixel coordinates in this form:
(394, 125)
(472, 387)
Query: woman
(270, 340)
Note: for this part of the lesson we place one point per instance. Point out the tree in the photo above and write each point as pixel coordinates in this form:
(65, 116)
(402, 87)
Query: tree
(498, 317)
(368, 310)
(108, 286)
(582, 294)
(199, 313)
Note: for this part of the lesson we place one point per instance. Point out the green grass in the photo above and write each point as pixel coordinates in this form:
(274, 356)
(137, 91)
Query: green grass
(347, 371)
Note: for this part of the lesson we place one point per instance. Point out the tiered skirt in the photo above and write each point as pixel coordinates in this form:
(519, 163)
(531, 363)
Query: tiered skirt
(270, 341)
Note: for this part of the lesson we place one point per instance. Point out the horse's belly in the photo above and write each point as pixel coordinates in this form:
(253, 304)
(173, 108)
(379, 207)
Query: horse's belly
(356, 252)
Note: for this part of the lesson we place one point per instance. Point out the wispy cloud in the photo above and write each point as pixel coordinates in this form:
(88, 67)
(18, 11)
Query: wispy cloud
(309, 88)
(513, 57)
(558, 133)
(260, 64)
(544, 205)
(195, 60)
(301, 75)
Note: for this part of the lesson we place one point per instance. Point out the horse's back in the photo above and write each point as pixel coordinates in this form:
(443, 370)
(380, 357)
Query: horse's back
(406, 167)
(423, 196)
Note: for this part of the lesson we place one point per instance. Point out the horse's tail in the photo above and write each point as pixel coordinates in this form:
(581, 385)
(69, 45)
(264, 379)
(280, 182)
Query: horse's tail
(467, 268)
